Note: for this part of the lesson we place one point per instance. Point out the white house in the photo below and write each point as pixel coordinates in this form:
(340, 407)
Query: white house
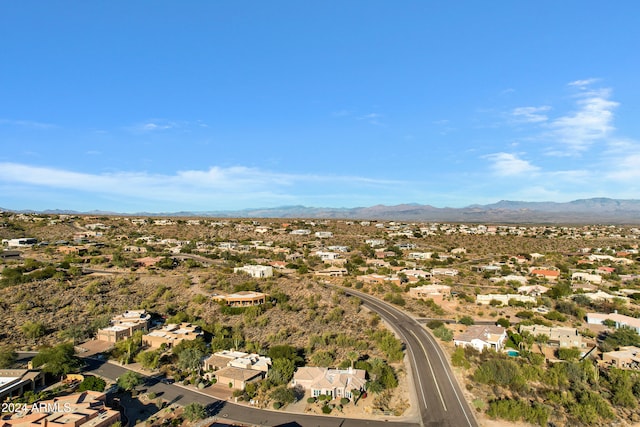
(23, 242)
(620, 319)
(336, 383)
(504, 298)
(301, 232)
(375, 242)
(586, 277)
(257, 271)
(482, 337)
(420, 255)
(323, 234)
(327, 256)
(444, 272)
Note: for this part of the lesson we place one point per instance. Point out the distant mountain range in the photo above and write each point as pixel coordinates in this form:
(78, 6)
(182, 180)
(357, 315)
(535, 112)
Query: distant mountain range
(584, 211)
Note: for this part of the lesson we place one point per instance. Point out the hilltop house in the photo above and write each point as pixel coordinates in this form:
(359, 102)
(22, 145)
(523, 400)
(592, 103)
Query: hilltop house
(242, 298)
(171, 335)
(482, 337)
(434, 292)
(559, 336)
(336, 383)
(237, 368)
(620, 320)
(256, 271)
(124, 325)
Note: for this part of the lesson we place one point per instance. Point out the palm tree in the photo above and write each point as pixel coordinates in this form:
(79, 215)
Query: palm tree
(353, 357)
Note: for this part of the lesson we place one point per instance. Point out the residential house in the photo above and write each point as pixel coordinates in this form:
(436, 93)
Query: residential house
(415, 274)
(14, 382)
(171, 335)
(606, 270)
(620, 319)
(237, 378)
(543, 273)
(581, 276)
(482, 337)
(301, 232)
(375, 242)
(73, 250)
(420, 255)
(505, 298)
(533, 290)
(124, 325)
(337, 383)
(323, 234)
(559, 336)
(434, 292)
(332, 272)
(603, 296)
(510, 278)
(242, 298)
(237, 359)
(23, 242)
(237, 368)
(444, 272)
(256, 271)
(624, 358)
(328, 256)
(378, 279)
(85, 409)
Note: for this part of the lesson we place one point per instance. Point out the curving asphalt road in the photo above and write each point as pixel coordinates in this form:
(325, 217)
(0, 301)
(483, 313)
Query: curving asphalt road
(224, 410)
(439, 396)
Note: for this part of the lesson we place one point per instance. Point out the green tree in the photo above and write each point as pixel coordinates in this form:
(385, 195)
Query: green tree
(283, 394)
(58, 360)
(149, 359)
(281, 371)
(466, 320)
(458, 358)
(503, 322)
(322, 358)
(433, 324)
(8, 356)
(620, 338)
(571, 354)
(92, 383)
(194, 411)
(190, 359)
(353, 357)
(129, 380)
(285, 352)
(499, 371)
(443, 333)
(34, 330)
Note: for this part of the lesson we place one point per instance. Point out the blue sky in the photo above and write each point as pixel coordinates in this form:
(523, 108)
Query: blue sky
(168, 106)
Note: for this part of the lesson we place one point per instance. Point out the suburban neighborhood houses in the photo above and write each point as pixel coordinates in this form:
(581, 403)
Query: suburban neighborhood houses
(265, 313)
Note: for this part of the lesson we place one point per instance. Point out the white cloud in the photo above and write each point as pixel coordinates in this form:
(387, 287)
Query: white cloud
(583, 83)
(372, 118)
(592, 121)
(530, 114)
(27, 123)
(224, 185)
(159, 125)
(627, 168)
(507, 164)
